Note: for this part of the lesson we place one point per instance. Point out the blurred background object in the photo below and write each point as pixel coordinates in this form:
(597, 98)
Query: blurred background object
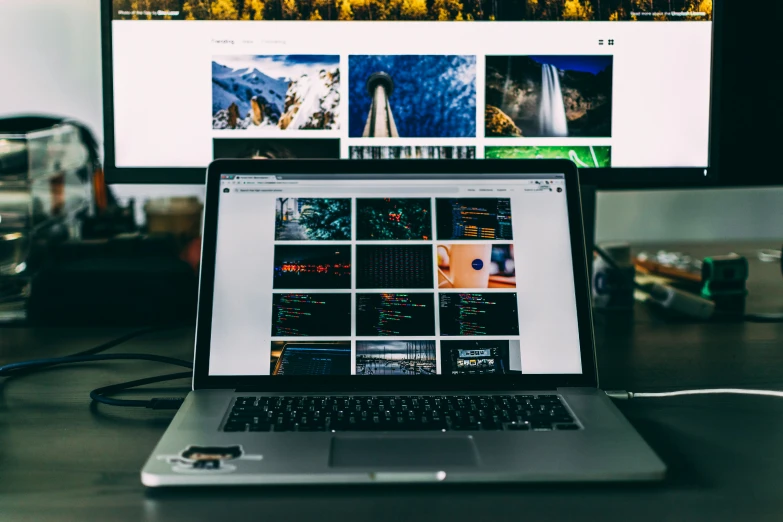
(70, 252)
(45, 171)
(178, 217)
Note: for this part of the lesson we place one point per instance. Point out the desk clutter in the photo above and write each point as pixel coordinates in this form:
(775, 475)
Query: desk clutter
(70, 253)
(707, 288)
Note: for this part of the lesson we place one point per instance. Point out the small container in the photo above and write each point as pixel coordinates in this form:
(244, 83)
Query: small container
(613, 288)
(179, 217)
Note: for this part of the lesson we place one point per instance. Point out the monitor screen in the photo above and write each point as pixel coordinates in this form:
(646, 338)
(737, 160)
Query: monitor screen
(609, 84)
(318, 276)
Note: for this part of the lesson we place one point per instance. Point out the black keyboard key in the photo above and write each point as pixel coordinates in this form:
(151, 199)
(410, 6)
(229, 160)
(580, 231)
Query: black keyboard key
(463, 425)
(541, 426)
(284, 424)
(433, 425)
(490, 424)
(518, 426)
(311, 427)
(567, 426)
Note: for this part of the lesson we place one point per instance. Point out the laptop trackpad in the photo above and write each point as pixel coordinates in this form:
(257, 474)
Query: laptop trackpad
(402, 452)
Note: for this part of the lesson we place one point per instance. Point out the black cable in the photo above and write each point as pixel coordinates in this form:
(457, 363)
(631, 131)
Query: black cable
(119, 340)
(23, 367)
(13, 368)
(92, 351)
(158, 403)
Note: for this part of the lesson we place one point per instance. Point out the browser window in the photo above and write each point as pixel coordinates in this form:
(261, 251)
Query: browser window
(613, 83)
(367, 276)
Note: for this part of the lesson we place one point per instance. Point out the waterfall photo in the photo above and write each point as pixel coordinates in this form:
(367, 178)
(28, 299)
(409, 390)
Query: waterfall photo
(412, 96)
(549, 96)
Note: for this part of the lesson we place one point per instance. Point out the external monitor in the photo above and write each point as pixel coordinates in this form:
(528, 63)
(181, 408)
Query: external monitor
(624, 88)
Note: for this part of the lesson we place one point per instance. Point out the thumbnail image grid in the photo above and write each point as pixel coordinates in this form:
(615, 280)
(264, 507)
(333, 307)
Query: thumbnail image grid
(275, 148)
(312, 266)
(393, 266)
(397, 281)
(474, 218)
(397, 314)
(311, 315)
(412, 96)
(411, 152)
(381, 219)
(299, 219)
(549, 96)
(476, 265)
(310, 358)
(395, 358)
(478, 314)
(490, 357)
(276, 92)
(585, 156)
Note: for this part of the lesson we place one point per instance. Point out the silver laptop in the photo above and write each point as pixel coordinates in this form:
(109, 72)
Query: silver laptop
(413, 321)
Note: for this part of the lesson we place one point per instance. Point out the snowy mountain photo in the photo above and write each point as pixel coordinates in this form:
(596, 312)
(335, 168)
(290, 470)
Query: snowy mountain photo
(428, 96)
(277, 93)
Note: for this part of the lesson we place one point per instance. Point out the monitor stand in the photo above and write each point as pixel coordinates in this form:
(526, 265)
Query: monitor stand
(588, 218)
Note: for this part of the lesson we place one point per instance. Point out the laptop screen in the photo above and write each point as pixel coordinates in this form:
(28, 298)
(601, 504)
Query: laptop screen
(367, 275)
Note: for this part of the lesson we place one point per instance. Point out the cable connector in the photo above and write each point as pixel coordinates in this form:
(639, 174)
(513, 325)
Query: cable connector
(681, 302)
(166, 403)
(619, 394)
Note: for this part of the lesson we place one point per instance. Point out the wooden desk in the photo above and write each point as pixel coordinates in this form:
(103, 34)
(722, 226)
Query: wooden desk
(64, 460)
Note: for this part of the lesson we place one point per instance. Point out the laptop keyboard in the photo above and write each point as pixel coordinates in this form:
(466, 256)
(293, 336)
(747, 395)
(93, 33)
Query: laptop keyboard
(400, 413)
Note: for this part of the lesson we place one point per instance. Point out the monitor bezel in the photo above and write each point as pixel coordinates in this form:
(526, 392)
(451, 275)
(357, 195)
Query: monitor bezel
(602, 178)
(446, 169)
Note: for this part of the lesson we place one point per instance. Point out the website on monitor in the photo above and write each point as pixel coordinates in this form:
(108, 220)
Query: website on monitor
(613, 83)
(436, 278)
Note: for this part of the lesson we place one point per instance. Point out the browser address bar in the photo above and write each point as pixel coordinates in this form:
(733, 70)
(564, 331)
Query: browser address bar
(422, 190)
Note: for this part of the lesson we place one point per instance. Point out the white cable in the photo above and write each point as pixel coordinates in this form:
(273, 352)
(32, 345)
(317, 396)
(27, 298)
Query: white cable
(769, 256)
(592, 152)
(739, 391)
(573, 157)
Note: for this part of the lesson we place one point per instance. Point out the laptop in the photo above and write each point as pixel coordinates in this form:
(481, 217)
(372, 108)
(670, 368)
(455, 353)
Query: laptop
(395, 322)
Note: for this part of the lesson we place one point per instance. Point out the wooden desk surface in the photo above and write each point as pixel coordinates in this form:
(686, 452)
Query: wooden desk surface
(63, 459)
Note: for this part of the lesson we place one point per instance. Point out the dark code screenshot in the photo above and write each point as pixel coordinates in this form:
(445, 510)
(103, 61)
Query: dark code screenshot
(474, 218)
(395, 314)
(315, 358)
(479, 314)
(298, 315)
